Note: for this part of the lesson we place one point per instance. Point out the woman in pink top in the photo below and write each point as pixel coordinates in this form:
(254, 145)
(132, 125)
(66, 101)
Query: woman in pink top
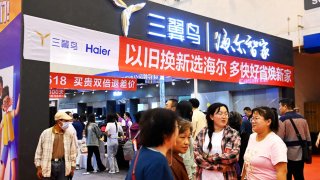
(266, 154)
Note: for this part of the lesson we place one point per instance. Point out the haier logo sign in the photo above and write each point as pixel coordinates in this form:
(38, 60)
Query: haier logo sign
(97, 50)
(73, 45)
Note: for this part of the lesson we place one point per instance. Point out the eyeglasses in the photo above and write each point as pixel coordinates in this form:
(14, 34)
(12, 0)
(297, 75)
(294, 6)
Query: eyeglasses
(226, 114)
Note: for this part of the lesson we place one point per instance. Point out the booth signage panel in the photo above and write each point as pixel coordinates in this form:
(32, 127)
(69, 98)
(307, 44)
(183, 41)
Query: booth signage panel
(56, 42)
(171, 26)
(87, 82)
(10, 67)
(153, 58)
(66, 45)
(56, 93)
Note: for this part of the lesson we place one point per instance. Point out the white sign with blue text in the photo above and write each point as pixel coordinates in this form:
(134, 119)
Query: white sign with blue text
(66, 44)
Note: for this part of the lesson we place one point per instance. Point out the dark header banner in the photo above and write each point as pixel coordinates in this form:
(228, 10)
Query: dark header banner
(166, 25)
(311, 4)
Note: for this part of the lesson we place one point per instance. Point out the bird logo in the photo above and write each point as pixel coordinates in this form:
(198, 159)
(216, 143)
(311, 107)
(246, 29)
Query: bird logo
(42, 37)
(126, 13)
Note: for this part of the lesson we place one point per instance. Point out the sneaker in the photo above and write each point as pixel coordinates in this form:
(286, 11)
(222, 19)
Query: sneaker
(112, 172)
(117, 171)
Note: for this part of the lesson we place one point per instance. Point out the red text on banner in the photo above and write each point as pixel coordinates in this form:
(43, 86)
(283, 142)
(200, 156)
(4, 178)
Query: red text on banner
(153, 58)
(87, 82)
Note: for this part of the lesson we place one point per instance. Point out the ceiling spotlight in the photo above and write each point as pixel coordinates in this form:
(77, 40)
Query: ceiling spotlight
(106, 91)
(187, 81)
(173, 83)
(92, 92)
(141, 87)
(157, 85)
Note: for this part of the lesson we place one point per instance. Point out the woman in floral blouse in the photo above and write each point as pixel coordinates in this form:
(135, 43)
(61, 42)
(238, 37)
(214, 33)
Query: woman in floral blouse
(217, 146)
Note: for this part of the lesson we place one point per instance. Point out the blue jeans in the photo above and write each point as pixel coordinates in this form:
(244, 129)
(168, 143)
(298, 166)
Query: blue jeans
(58, 171)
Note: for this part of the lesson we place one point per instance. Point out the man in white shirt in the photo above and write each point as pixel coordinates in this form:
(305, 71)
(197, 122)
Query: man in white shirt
(199, 120)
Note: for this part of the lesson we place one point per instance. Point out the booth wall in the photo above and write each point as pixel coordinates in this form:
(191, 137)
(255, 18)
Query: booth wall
(307, 79)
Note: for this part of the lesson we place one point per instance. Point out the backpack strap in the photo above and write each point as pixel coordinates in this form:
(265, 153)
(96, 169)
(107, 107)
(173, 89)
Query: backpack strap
(297, 132)
(137, 135)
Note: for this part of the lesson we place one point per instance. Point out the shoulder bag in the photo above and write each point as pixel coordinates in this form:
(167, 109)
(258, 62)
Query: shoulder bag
(306, 152)
(129, 149)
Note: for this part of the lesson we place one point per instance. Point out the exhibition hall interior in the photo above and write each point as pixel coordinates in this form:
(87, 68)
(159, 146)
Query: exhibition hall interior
(100, 67)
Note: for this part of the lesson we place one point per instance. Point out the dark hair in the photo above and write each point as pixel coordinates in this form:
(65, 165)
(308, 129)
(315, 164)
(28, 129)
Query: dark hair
(210, 111)
(113, 118)
(267, 113)
(156, 125)
(1, 81)
(195, 102)
(184, 110)
(128, 114)
(174, 102)
(75, 116)
(91, 119)
(287, 102)
(137, 116)
(235, 120)
(83, 117)
(274, 110)
(5, 92)
(184, 125)
(247, 109)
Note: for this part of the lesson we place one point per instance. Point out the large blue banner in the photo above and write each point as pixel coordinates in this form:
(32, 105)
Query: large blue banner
(10, 58)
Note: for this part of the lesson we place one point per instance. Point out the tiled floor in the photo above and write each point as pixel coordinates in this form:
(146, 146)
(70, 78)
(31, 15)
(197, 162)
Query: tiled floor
(99, 176)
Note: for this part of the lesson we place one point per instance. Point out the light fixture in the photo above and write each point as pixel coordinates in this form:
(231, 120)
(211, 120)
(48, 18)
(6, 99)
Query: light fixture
(74, 94)
(141, 87)
(92, 92)
(173, 83)
(82, 93)
(157, 85)
(106, 91)
(187, 81)
(117, 93)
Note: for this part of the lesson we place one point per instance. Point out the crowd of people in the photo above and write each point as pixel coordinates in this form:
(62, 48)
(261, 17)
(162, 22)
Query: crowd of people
(182, 142)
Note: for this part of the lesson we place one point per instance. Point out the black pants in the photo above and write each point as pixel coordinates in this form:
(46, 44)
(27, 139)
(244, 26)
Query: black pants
(95, 150)
(58, 170)
(295, 168)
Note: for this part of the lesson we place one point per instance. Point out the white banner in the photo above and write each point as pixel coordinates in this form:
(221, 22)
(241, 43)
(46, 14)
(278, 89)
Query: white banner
(46, 40)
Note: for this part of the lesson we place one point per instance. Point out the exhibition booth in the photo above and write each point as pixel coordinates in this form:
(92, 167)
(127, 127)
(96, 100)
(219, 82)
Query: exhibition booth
(83, 59)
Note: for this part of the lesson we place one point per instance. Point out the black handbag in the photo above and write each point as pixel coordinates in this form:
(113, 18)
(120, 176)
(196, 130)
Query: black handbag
(306, 152)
